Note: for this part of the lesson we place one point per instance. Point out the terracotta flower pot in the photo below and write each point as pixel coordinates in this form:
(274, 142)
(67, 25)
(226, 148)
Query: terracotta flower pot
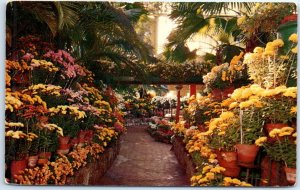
(42, 161)
(74, 141)
(17, 166)
(62, 151)
(64, 146)
(290, 175)
(32, 160)
(63, 140)
(228, 160)
(221, 94)
(246, 154)
(45, 155)
(81, 134)
(89, 135)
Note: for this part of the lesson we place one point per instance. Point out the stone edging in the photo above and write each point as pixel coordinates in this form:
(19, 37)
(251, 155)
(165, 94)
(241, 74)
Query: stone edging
(183, 157)
(92, 172)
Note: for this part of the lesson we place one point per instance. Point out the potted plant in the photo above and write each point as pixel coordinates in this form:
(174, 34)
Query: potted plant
(251, 125)
(248, 107)
(278, 103)
(223, 136)
(282, 150)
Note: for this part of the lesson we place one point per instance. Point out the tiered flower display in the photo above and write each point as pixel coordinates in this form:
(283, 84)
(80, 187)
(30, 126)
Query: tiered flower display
(55, 118)
(259, 118)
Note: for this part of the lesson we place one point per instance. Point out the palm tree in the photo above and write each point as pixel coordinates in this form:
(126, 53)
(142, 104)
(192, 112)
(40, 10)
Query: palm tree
(92, 31)
(206, 19)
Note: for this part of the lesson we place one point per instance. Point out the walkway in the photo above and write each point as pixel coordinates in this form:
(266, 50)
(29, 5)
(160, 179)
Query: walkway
(144, 162)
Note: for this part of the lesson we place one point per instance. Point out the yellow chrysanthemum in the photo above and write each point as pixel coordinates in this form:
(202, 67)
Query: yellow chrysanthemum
(278, 43)
(295, 49)
(293, 38)
(258, 50)
(294, 109)
(260, 141)
(274, 132)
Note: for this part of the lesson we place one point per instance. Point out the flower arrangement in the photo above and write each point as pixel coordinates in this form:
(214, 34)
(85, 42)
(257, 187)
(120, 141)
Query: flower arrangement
(225, 75)
(268, 67)
(160, 130)
(284, 146)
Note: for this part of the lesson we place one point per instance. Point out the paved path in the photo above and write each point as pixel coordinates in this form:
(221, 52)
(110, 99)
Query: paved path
(144, 162)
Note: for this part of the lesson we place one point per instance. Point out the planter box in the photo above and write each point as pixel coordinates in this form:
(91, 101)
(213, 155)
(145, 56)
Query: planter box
(183, 157)
(92, 172)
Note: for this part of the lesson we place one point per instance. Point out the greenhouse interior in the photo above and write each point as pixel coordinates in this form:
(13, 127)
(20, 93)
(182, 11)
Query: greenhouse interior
(151, 93)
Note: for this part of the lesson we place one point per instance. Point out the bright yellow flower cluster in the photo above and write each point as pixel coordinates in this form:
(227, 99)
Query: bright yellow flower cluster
(227, 181)
(209, 174)
(71, 110)
(44, 65)
(12, 102)
(105, 135)
(178, 128)
(79, 156)
(293, 38)
(235, 64)
(51, 127)
(103, 104)
(93, 91)
(13, 124)
(285, 131)
(260, 141)
(246, 97)
(20, 135)
(44, 88)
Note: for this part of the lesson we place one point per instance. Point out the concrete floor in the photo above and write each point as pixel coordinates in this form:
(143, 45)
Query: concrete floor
(144, 162)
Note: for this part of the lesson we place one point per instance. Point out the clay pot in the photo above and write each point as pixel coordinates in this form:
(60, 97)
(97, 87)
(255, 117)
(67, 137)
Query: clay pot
(246, 154)
(42, 161)
(32, 160)
(228, 160)
(45, 155)
(74, 141)
(89, 135)
(17, 166)
(81, 134)
(64, 146)
(290, 175)
(272, 173)
(221, 94)
(62, 151)
(63, 140)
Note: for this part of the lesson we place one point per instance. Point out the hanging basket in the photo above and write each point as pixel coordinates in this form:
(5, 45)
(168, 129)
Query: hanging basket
(246, 154)
(290, 175)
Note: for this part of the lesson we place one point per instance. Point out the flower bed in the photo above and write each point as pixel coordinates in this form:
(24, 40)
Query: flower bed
(160, 130)
(226, 137)
(92, 172)
(57, 120)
